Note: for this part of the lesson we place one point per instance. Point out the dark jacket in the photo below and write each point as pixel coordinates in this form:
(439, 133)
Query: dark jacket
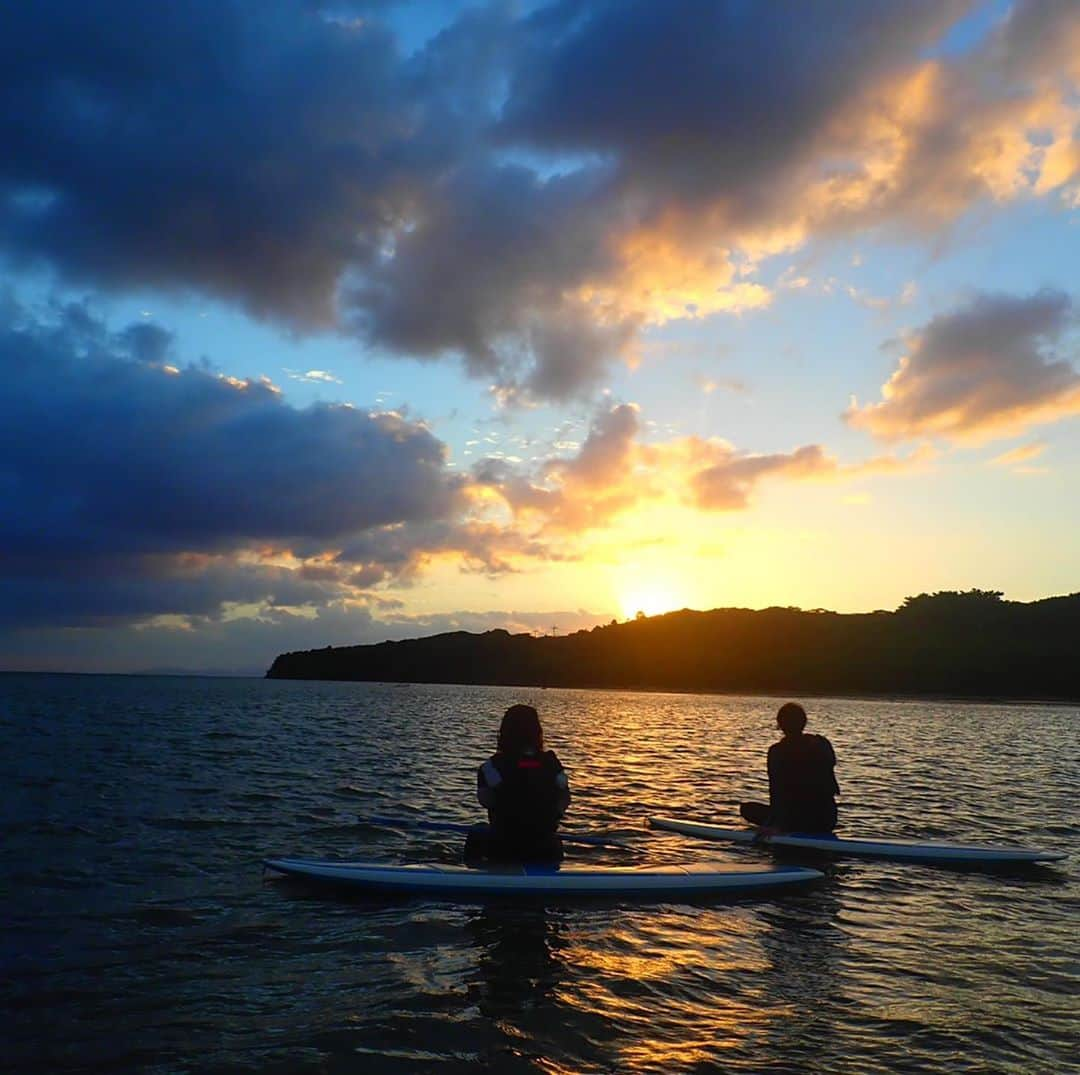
(802, 783)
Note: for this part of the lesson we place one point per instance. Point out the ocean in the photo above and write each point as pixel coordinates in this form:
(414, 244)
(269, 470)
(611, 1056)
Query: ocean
(140, 934)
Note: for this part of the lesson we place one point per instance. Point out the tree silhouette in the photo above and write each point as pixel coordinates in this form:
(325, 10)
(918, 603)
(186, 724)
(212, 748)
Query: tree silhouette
(963, 644)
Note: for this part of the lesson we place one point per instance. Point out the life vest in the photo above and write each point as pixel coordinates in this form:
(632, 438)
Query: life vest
(526, 789)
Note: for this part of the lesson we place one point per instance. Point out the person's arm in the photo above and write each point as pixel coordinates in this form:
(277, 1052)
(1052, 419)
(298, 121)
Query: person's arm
(562, 787)
(562, 799)
(830, 754)
(488, 778)
(775, 783)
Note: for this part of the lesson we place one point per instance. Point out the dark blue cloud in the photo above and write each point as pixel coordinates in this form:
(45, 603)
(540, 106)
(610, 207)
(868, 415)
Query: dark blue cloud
(130, 488)
(122, 451)
(253, 150)
(248, 645)
(101, 592)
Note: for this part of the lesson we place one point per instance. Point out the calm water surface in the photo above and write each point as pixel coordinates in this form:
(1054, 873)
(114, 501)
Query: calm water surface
(140, 936)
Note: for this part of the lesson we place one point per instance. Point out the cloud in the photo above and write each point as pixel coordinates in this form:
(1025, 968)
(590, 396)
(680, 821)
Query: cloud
(126, 456)
(835, 118)
(718, 477)
(726, 484)
(139, 491)
(565, 496)
(131, 487)
(473, 543)
(314, 377)
(489, 273)
(525, 191)
(87, 591)
(708, 385)
(248, 645)
(258, 176)
(605, 457)
(987, 369)
(615, 471)
(1023, 453)
(1020, 458)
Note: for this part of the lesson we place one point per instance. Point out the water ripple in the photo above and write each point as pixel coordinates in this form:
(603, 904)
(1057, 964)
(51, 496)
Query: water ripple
(137, 812)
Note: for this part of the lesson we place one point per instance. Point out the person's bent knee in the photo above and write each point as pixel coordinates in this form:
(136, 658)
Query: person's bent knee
(756, 813)
(477, 848)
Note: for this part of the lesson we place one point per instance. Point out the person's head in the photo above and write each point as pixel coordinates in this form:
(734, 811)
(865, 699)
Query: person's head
(791, 718)
(520, 730)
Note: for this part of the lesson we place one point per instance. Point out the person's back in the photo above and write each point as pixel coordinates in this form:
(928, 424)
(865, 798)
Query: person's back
(802, 782)
(525, 805)
(802, 785)
(526, 792)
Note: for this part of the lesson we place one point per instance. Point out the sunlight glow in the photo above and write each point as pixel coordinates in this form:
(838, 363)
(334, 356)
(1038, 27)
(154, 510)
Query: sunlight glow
(652, 600)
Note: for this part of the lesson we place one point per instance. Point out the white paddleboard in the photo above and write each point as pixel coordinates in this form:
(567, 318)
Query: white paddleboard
(901, 850)
(653, 882)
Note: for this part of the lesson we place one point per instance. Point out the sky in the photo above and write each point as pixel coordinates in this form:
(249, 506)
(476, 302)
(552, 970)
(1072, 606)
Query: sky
(330, 323)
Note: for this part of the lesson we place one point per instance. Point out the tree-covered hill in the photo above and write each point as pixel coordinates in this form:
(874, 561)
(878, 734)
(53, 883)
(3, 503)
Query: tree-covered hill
(971, 644)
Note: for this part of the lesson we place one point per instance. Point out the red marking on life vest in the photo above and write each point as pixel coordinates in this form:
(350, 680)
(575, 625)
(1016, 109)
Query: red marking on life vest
(527, 763)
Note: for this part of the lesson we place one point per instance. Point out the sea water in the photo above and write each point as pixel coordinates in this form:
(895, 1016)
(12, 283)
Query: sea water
(140, 935)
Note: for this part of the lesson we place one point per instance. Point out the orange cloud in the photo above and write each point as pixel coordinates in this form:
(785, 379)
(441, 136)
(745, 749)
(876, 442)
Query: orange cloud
(929, 139)
(674, 269)
(614, 473)
(1024, 453)
(726, 484)
(980, 372)
(728, 480)
(682, 203)
(918, 145)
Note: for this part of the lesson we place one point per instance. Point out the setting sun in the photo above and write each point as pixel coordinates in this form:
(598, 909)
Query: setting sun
(652, 600)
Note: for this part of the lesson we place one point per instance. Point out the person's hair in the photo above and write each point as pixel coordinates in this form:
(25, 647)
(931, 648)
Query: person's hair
(520, 730)
(791, 719)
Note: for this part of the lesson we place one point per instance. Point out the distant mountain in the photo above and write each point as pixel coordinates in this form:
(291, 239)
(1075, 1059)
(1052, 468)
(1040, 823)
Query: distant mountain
(971, 645)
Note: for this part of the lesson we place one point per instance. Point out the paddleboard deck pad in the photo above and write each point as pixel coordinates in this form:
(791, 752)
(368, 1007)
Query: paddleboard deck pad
(620, 881)
(900, 850)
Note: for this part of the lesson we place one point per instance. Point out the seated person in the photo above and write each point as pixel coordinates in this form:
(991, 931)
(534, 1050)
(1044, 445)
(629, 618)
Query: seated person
(802, 785)
(526, 792)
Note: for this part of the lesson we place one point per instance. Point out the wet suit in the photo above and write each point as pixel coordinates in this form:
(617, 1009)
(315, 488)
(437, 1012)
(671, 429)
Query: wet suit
(802, 786)
(526, 796)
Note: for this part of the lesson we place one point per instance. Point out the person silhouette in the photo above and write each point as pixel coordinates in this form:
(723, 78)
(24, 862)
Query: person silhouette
(802, 781)
(526, 792)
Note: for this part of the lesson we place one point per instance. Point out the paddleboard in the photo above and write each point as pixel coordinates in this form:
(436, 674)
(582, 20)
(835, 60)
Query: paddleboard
(622, 881)
(900, 850)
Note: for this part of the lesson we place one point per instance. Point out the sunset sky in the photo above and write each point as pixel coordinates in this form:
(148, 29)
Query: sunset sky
(331, 323)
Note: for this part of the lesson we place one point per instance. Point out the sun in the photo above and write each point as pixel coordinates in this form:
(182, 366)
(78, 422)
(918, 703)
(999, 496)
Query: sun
(651, 600)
